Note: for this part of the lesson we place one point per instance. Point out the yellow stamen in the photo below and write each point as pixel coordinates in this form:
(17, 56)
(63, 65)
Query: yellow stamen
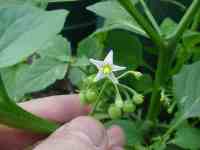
(107, 69)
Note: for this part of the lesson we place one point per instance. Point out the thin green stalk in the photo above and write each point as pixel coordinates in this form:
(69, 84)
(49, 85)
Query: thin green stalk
(150, 16)
(185, 21)
(98, 98)
(196, 22)
(141, 20)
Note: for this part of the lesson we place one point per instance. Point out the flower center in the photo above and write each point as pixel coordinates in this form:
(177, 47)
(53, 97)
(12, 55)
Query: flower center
(107, 69)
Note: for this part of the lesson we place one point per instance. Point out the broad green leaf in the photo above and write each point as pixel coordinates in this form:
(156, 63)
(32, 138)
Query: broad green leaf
(81, 62)
(38, 3)
(168, 26)
(187, 93)
(127, 48)
(91, 47)
(24, 30)
(187, 138)
(14, 116)
(31, 78)
(76, 76)
(132, 130)
(187, 83)
(56, 48)
(116, 17)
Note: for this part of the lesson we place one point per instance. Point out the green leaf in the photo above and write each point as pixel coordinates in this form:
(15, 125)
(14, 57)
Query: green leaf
(187, 92)
(116, 17)
(56, 48)
(168, 26)
(187, 83)
(132, 130)
(24, 29)
(76, 76)
(34, 77)
(81, 62)
(187, 138)
(91, 47)
(127, 48)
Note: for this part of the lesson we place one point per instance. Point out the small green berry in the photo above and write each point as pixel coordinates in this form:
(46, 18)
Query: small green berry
(137, 74)
(114, 112)
(91, 95)
(82, 96)
(129, 107)
(138, 98)
(90, 79)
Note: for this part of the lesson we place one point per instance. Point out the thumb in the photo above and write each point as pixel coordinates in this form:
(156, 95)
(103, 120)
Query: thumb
(83, 133)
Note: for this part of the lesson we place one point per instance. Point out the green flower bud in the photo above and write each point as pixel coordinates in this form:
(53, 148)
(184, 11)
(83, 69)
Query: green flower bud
(119, 103)
(91, 95)
(82, 96)
(138, 98)
(114, 112)
(90, 79)
(137, 74)
(129, 107)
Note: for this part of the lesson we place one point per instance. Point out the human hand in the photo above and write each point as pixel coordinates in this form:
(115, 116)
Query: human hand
(79, 133)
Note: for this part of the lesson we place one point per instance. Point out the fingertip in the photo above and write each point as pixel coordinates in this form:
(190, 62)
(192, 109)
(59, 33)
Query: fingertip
(116, 136)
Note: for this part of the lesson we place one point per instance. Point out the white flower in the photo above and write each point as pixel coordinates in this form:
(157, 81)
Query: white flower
(106, 68)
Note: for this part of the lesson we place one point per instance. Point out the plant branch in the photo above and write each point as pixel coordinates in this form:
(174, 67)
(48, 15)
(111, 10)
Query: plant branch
(196, 22)
(185, 21)
(150, 17)
(166, 55)
(141, 20)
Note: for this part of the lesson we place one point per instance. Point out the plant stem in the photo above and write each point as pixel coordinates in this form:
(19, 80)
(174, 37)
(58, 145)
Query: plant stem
(98, 99)
(141, 20)
(166, 55)
(196, 22)
(185, 21)
(150, 17)
(161, 77)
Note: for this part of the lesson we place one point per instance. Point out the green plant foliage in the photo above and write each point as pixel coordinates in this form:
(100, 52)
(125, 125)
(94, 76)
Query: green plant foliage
(135, 70)
(116, 17)
(34, 77)
(90, 47)
(168, 26)
(187, 138)
(24, 30)
(124, 43)
(56, 48)
(186, 84)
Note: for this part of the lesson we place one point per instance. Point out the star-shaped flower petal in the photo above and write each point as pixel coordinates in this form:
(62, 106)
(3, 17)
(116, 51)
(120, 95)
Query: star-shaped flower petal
(106, 68)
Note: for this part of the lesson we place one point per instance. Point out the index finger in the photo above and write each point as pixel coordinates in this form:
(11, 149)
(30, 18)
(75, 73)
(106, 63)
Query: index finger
(56, 108)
